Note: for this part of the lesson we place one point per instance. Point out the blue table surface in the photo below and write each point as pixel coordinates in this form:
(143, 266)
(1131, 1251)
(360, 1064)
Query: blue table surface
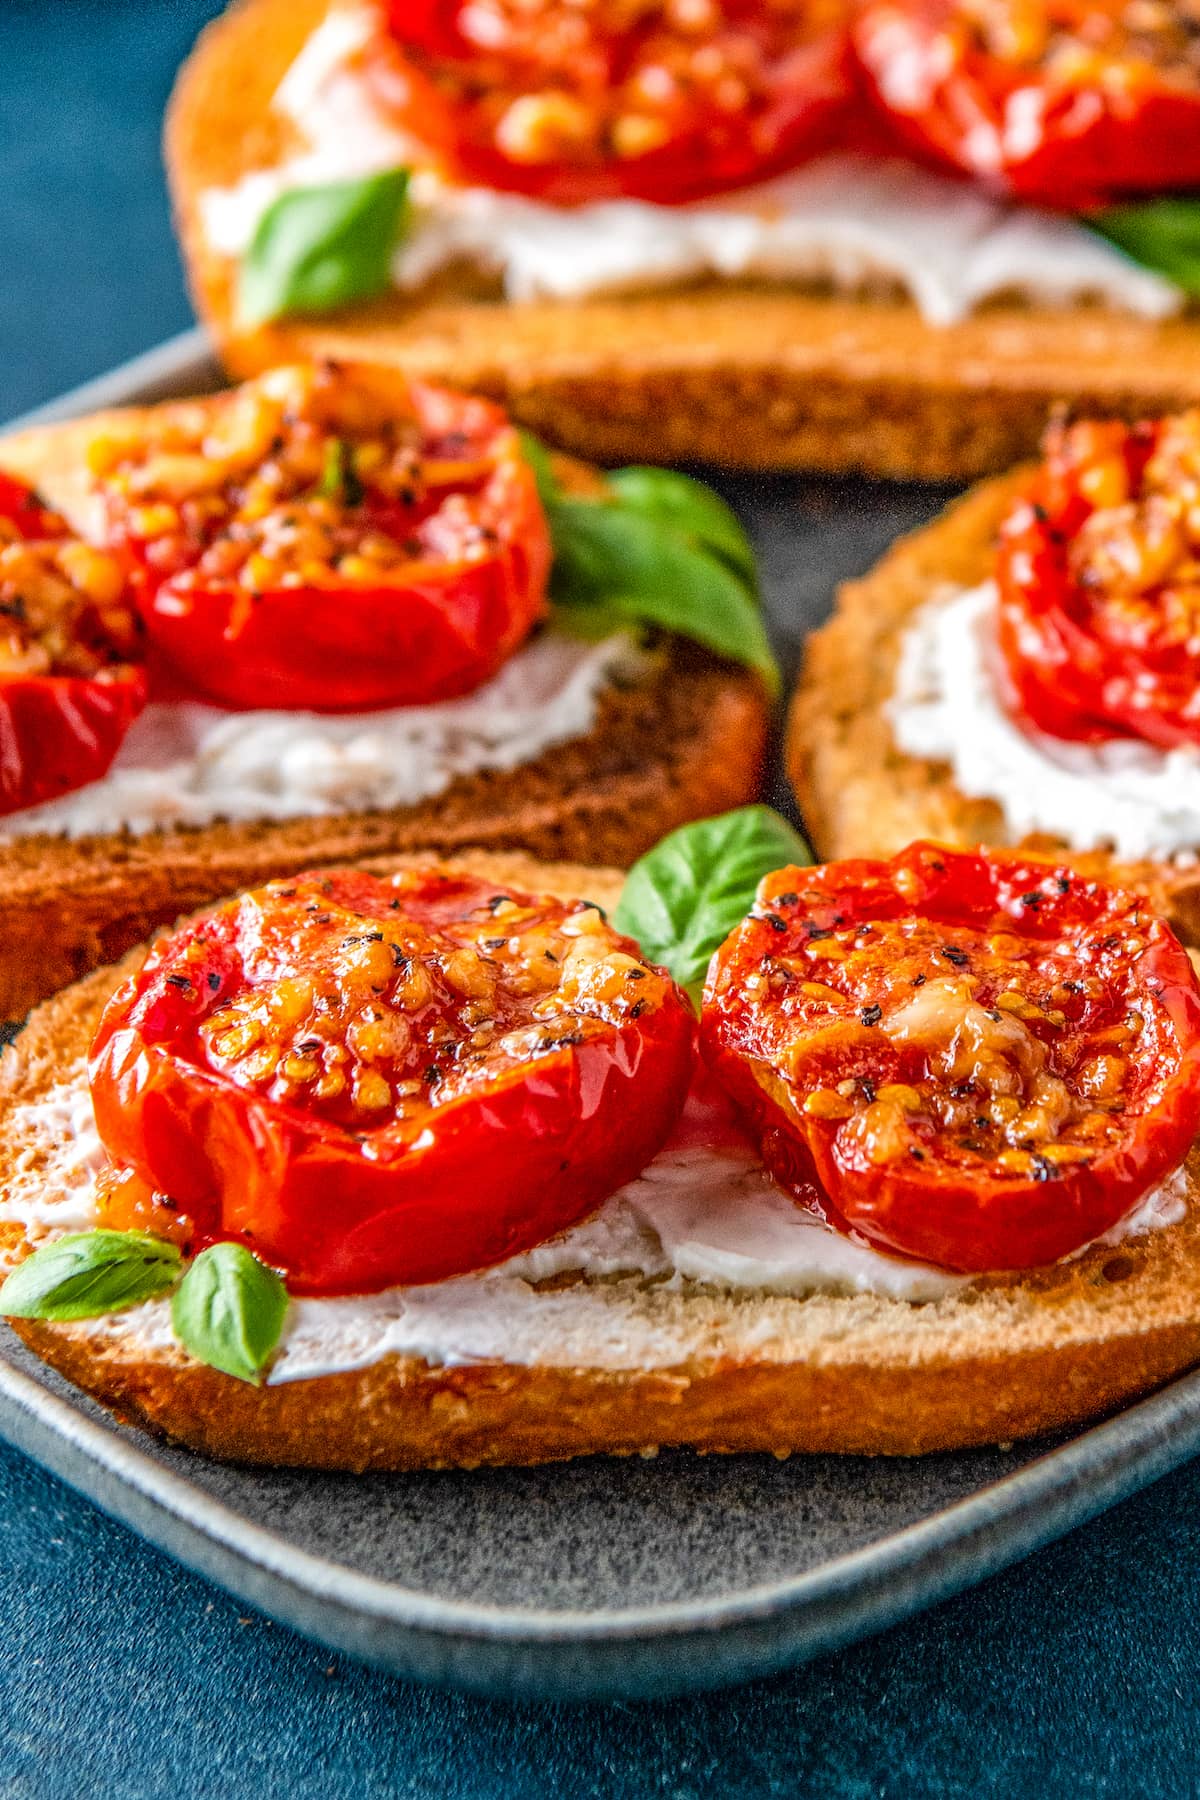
(121, 1674)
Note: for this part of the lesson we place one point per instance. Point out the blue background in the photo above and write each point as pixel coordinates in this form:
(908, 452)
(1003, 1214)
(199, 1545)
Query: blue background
(122, 1675)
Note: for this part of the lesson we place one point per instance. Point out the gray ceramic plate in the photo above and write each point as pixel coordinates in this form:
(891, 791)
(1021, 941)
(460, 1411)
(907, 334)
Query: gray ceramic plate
(603, 1578)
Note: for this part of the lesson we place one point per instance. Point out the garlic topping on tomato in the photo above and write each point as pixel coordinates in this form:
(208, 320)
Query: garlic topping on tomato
(317, 539)
(377, 1081)
(973, 1059)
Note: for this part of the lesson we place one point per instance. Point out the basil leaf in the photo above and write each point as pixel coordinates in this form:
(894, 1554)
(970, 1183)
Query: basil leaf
(539, 460)
(339, 478)
(691, 509)
(229, 1310)
(1159, 234)
(88, 1273)
(660, 549)
(604, 553)
(684, 897)
(318, 248)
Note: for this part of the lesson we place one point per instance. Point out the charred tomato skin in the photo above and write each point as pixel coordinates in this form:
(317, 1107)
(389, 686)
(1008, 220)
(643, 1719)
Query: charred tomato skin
(24, 510)
(937, 1051)
(343, 1202)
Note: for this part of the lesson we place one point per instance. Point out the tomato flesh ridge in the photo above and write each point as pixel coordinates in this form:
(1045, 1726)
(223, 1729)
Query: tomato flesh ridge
(979, 1061)
(371, 1151)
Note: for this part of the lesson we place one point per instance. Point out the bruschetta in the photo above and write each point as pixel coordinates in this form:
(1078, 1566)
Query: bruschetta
(336, 613)
(434, 1163)
(887, 237)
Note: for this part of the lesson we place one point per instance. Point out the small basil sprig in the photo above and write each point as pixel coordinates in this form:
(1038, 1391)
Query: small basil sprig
(319, 248)
(87, 1273)
(228, 1311)
(1160, 234)
(684, 897)
(655, 548)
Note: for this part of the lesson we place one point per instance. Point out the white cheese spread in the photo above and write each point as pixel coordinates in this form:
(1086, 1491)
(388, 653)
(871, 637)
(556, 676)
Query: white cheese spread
(853, 223)
(186, 763)
(1121, 794)
(711, 1217)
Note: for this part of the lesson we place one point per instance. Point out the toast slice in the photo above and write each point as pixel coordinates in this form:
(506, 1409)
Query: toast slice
(748, 375)
(685, 739)
(861, 795)
(623, 1364)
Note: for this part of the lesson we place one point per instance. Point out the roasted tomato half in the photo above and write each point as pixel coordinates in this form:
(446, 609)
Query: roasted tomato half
(663, 100)
(373, 1081)
(1098, 572)
(331, 542)
(1069, 102)
(70, 681)
(975, 1060)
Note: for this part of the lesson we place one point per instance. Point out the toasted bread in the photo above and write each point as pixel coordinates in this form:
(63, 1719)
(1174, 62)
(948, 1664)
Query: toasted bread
(748, 375)
(623, 1364)
(686, 740)
(862, 796)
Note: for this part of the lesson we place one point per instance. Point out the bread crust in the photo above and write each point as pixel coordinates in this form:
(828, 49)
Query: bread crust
(1004, 1359)
(747, 375)
(686, 740)
(862, 796)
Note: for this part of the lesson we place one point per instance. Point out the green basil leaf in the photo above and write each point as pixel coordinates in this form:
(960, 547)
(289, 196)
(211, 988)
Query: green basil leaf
(88, 1273)
(318, 248)
(539, 460)
(1159, 234)
(652, 576)
(229, 1310)
(684, 897)
(593, 622)
(339, 477)
(660, 549)
(691, 509)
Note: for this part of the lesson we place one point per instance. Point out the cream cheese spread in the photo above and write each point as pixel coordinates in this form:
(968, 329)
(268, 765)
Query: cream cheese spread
(856, 224)
(186, 763)
(1121, 794)
(695, 1216)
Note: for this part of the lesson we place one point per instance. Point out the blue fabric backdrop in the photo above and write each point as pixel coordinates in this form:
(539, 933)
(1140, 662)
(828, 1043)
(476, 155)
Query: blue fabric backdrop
(121, 1675)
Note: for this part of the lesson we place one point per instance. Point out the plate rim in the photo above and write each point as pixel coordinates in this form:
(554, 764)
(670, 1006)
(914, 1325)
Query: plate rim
(1117, 1456)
